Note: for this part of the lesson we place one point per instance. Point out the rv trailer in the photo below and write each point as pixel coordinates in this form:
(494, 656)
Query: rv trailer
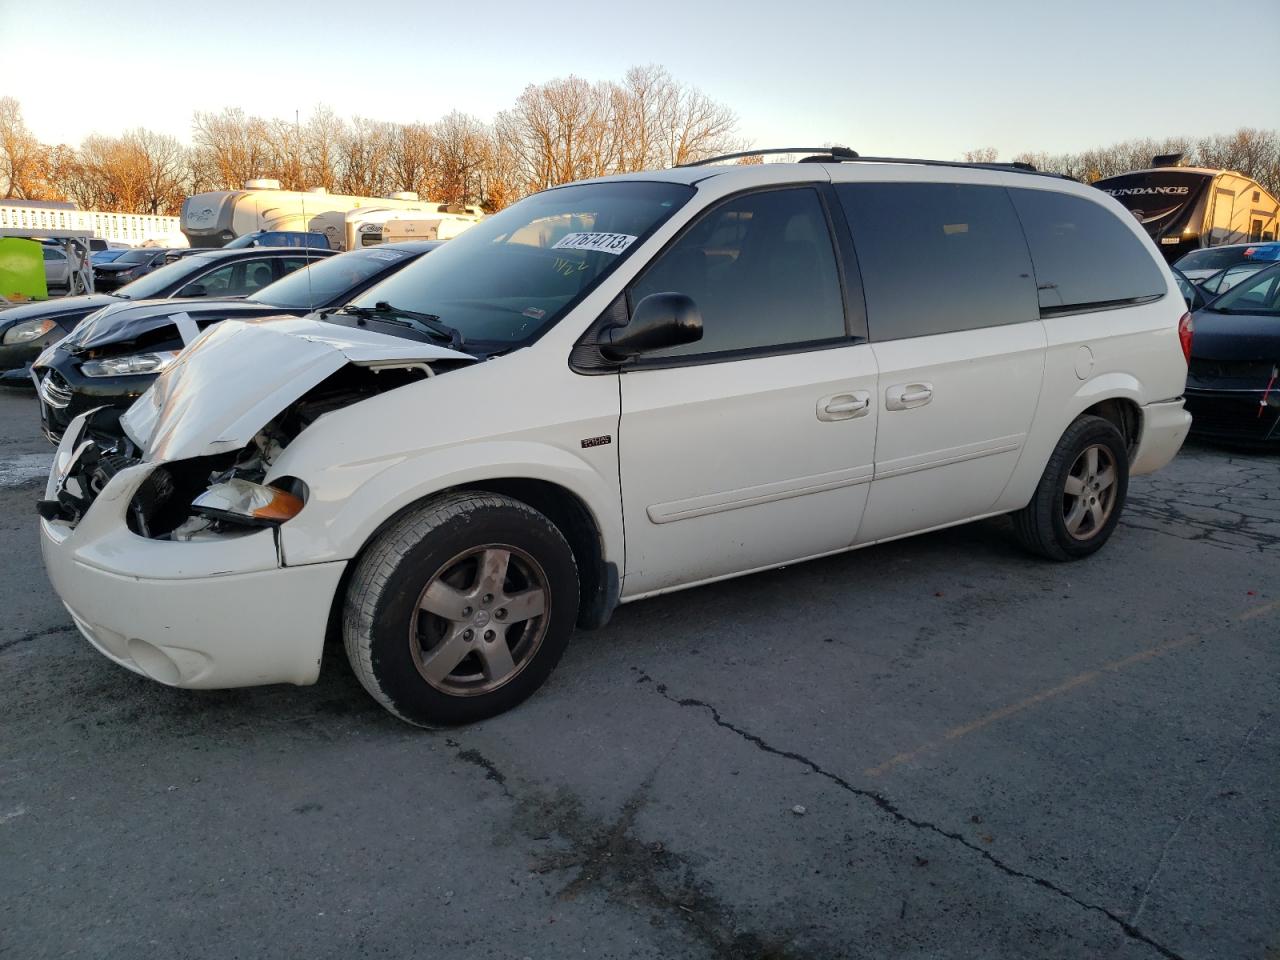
(216, 218)
(1185, 208)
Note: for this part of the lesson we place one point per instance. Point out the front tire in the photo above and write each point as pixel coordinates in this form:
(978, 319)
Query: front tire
(460, 609)
(1078, 501)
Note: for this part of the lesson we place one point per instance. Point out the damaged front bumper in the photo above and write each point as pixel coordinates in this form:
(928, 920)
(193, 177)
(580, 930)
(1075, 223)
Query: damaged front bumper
(212, 613)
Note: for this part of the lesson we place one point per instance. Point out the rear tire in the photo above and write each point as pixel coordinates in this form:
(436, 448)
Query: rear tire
(461, 609)
(1078, 501)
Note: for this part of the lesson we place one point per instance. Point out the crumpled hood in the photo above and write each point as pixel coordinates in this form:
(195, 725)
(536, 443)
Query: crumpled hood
(239, 374)
(130, 319)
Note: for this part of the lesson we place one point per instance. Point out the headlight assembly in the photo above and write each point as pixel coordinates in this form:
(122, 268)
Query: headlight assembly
(134, 364)
(240, 501)
(28, 330)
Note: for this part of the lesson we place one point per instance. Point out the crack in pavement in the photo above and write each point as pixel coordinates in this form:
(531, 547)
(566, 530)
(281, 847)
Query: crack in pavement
(1182, 821)
(37, 635)
(889, 808)
(1237, 508)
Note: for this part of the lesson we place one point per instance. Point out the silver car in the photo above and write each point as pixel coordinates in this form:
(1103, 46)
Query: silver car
(56, 271)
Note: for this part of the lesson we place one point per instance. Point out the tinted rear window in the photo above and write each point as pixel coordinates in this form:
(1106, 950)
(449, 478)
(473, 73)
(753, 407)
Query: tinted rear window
(938, 257)
(1084, 256)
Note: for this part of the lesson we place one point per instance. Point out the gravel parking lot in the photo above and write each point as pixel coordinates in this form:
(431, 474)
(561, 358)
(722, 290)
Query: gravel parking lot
(934, 748)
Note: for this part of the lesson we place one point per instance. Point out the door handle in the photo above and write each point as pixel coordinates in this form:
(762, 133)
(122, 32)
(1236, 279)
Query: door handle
(905, 396)
(844, 406)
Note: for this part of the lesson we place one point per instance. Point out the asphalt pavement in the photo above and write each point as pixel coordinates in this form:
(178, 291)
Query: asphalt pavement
(935, 748)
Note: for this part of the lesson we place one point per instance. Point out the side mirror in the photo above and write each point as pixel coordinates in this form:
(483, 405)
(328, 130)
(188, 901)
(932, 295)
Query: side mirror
(659, 321)
(193, 290)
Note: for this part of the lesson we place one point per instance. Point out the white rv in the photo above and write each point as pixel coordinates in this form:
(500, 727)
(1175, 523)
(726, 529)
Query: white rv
(443, 223)
(367, 226)
(216, 218)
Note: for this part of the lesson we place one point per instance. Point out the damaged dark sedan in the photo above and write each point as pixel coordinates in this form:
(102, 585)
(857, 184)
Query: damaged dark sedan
(115, 355)
(1233, 381)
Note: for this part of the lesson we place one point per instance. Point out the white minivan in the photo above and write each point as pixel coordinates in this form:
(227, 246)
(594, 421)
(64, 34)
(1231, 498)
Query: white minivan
(611, 390)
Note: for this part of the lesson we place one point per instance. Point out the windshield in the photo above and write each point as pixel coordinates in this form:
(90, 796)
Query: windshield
(514, 275)
(1259, 294)
(1213, 258)
(247, 240)
(152, 285)
(106, 256)
(136, 256)
(1224, 280)
(330, 281)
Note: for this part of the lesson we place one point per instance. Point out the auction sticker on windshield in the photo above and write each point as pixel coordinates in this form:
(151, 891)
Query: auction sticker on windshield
(613, 243)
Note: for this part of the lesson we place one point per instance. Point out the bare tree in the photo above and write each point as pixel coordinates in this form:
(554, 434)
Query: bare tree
(697, 127)
(165, 167)
(231, 147)
(20, 151)
(364, 152)
(981, 155)
(413, 162)
(463, 147)
(321, 137)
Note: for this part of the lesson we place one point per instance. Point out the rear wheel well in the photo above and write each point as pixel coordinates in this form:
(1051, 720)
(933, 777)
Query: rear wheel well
(599, 583)
(1125, 415)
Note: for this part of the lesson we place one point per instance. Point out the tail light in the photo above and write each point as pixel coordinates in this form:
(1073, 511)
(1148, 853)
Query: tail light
(1186, 330)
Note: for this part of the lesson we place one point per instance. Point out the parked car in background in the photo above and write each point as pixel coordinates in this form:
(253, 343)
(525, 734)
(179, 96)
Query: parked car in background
(280, 238)
(1191, 293)
(1201, 264)
(27, 330)
(115, 354)
(1222, 281)
(57, 272)
(736, 368)
(106, 256)
(179, 252)
(1233, 382)
(129, 266)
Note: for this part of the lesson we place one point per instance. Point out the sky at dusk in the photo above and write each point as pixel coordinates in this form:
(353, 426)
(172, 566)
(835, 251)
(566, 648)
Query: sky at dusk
(911, 79)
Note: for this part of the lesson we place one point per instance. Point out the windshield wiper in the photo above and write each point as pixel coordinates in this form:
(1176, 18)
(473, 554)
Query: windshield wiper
(427, 321)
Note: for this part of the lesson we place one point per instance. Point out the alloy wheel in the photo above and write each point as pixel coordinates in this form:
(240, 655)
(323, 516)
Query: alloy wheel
(1089, 493)
(480, 620)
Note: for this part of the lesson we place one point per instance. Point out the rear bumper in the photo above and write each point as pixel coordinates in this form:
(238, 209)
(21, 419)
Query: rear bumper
(1236, 416)
(1164, 428)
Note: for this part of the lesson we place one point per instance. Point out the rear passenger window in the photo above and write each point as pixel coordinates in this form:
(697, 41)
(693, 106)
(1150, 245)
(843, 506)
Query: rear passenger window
(290, 264)
(1085, 257)
(938, 257)
(762, 271)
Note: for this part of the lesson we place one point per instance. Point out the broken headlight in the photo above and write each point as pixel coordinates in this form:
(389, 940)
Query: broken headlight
(137, 363)
(244, 502)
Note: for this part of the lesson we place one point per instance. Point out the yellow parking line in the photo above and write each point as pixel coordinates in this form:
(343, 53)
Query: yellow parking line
(1259, 611)
(1079, 680)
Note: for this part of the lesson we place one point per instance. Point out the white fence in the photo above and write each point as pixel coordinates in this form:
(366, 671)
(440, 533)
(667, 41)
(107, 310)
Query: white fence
(134, 229)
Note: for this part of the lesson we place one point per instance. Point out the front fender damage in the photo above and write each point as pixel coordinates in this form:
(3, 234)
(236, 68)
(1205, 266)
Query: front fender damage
(226, 409)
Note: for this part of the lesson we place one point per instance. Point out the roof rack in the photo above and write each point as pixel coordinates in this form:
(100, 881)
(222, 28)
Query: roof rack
(831, 154)
(845, 155)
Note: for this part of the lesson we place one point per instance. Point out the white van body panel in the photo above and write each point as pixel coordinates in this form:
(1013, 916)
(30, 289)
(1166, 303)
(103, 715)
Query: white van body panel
(689, 473)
